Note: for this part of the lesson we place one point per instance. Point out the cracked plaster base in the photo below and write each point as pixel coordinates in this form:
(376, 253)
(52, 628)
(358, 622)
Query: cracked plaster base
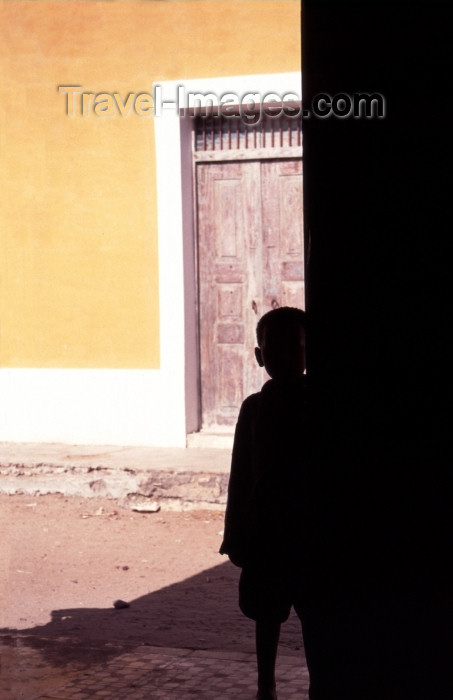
(168, 490)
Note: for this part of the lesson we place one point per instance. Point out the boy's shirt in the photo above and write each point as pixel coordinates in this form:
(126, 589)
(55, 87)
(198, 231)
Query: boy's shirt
(265, 494)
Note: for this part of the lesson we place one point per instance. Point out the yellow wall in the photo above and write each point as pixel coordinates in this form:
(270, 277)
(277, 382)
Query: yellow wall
(78, 249)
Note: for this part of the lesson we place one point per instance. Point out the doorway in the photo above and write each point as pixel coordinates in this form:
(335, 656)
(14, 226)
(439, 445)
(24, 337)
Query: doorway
(248, 185)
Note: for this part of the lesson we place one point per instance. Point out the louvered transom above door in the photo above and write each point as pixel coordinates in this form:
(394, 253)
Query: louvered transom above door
(250, 259)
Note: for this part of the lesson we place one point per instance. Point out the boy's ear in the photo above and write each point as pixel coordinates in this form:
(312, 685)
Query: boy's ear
(259, 357)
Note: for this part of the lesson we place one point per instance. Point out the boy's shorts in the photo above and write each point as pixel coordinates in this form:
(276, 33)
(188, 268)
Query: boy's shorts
(269, 592)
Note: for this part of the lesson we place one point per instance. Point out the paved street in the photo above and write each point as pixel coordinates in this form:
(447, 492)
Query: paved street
(66, 558)
(147, 673)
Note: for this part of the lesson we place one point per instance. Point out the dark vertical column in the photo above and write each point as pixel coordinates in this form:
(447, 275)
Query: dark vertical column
(378, 221)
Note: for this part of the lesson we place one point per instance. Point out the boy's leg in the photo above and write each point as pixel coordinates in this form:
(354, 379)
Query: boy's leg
(267, 634)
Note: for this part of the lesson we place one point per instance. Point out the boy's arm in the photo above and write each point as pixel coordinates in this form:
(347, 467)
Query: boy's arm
(239, 488)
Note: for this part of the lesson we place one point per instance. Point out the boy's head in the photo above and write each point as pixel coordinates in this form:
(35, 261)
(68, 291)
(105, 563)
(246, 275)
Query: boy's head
(280, 335)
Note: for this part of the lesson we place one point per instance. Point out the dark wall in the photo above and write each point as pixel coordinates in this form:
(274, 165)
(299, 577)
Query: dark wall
(378, 198)
(378, 222)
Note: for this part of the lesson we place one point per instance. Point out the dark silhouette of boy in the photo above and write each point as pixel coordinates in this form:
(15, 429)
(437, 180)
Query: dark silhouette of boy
(264, 529)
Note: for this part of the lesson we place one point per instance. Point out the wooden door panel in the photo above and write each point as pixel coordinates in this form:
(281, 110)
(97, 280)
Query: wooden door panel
(229, 280)
(250, 259)
(271, 235)
(230, 365)
(293, 293)
(228, 214)
(283, 233)
(290, 191)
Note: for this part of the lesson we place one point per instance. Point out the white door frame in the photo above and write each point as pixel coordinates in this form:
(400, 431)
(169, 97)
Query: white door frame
(176, 231)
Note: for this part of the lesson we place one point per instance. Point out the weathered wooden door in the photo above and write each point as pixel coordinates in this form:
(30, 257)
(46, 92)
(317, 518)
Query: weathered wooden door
(250, 259)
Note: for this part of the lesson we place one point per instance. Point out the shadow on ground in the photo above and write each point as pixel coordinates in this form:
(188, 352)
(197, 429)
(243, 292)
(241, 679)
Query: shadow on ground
(199, 612)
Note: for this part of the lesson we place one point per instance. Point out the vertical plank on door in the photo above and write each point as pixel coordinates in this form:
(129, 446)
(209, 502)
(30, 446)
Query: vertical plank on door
(283, 253)
(229, 223)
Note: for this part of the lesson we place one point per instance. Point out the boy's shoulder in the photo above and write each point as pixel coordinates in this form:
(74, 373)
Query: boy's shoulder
(251, 403)
(255, 399)
(271, 394)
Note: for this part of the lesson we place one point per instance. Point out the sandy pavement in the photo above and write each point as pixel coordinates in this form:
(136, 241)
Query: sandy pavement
(65, 561)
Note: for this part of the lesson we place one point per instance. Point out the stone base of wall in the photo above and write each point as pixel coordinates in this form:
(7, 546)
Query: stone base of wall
(148, 479)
